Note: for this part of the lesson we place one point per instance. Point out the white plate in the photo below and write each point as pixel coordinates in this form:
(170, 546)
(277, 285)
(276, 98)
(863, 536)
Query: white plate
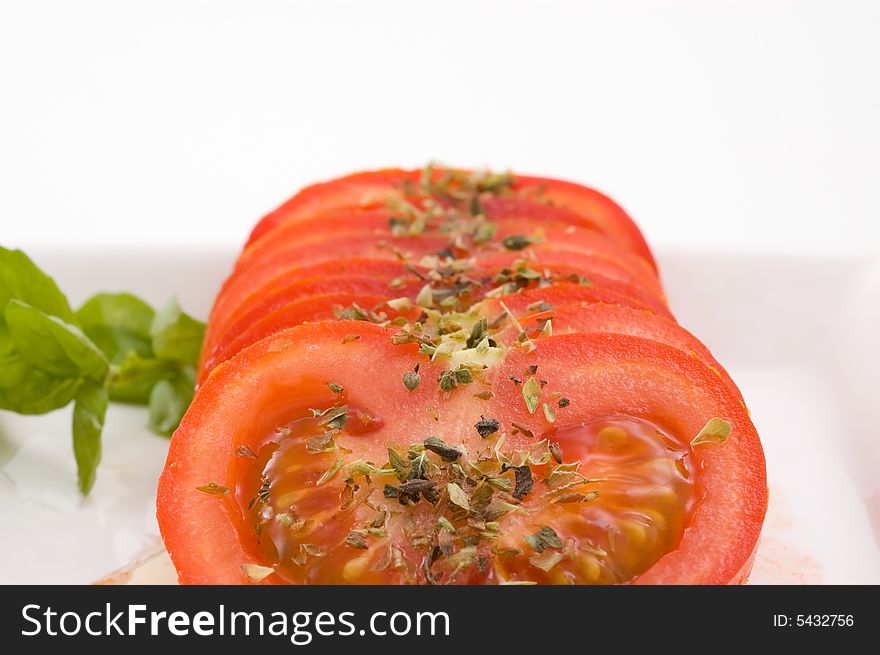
(798, 334)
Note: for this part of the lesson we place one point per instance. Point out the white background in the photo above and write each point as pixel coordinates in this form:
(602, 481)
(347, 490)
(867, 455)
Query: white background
(734, 124)
(744, 137)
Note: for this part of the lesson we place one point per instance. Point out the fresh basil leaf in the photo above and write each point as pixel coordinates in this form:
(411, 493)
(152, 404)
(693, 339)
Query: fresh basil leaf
(25, 389)
(119, 324)
(53, 345)
(21, 279)
(177, 335)
(88, 423)
(169, 401)
(132, 380)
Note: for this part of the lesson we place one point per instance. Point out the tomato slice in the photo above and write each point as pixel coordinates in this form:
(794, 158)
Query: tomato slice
(333, 225)
(621, 375)
(561, 265)
(366, 189)
(263, 304)
(602, 210)
(242, 283)
(578, 239)
(521, 304)
(309, 309)
(374, 188)
(590, 258)
(597, 316)
(391, 269)
(254, 492)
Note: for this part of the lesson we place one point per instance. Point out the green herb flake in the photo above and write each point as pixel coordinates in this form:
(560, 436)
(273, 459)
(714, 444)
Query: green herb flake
(320, 443)
(447, 381)
(543, 539)
(256, 572)
(425, 297)
(335, 387)
(716, 431)
(412, 379)
(444, 523)
(575, 497)
(463, 376)
(397, 462)
(438, 446)
(555, 451)
(523, 481)
(329, 473)
(213, 489)
(516, 242)
(478, 333)
(563, 402)
(546, 560)
(531, 391)
(486, 426)
(457, 496)
(484, 232)
(356, 539)
(334, 418)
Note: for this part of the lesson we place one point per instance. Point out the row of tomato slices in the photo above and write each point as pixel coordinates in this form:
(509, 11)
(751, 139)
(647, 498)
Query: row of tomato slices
(276, 331)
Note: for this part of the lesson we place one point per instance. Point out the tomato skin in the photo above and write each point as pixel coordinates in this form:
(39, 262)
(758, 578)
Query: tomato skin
(242, 284)
(637, 377)
(295, 273)
(586, 317)
(243, 399)
(249, 312)
(598, 273)
(352, 190)
(306, 309)
(582, 240)
(565, 294)
(548, 256)
(372, 188)
(602, 210)
(331, 226)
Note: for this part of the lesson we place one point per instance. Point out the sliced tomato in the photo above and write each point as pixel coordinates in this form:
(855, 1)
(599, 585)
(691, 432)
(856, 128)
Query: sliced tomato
(591, 316)
(240, 460)
(299, 290)
(332, 225)
(591, 258)
(392, 269)
(524, 303)
(621, 375)
(592, 246)
(594, 271)
(356, 245)
(266, 322)
(602, 210)
(245, 399)
(366, 189)
(526, 207)
(374, 188)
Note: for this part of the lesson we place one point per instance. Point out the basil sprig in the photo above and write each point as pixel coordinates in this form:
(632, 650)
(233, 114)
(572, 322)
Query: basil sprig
(115, 347)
